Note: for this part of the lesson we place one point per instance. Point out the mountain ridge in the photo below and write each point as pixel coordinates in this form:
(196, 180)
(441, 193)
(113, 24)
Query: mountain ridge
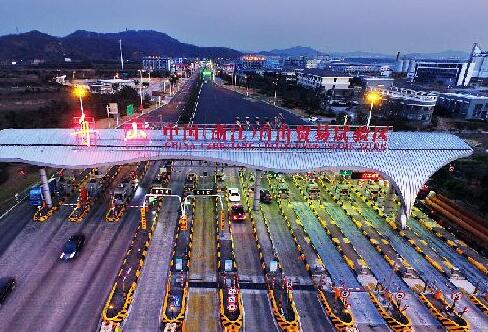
(89, 46)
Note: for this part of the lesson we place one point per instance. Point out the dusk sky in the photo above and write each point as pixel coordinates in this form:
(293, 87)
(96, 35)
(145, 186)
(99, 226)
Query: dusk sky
(347, 25)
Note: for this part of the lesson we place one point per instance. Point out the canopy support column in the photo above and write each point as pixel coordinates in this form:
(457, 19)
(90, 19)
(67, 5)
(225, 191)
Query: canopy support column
(257, 189)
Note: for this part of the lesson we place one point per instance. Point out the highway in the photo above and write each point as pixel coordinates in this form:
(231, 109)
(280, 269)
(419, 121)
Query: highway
(422, 266)
(363, 309)
(381, 270)
(312, 315)
(219, 105)
(57, 296)
(146, 306)
(256, 304)
(202, 299)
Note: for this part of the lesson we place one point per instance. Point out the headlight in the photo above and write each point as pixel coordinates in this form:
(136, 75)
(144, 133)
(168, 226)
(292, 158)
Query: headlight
(72, 255)
(62, 256)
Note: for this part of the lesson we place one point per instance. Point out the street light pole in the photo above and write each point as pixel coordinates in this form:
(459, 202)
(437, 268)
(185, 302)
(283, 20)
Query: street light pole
(372, 97)
(369, 116)
(140, 89)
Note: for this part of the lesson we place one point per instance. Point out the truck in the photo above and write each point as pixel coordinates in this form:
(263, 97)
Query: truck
(36, 196)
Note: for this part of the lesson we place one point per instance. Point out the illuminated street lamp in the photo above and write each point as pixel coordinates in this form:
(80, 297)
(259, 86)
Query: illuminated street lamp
(80, 92)
(372, 97)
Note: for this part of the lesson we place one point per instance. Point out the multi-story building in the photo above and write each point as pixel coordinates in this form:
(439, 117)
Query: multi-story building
(323, 79)
(373, 82)
(480, 60)
(157, 63)
(251, 63)
(407, 104)
(466, 106)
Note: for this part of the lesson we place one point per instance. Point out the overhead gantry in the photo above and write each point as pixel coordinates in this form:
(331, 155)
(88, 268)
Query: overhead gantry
(408, 160)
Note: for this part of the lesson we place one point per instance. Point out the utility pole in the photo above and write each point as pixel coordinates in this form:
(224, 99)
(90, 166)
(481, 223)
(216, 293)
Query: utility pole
(121, 56)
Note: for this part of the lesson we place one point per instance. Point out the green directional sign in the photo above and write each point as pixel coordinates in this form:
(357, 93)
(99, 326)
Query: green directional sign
(130, 109)
(346, 173)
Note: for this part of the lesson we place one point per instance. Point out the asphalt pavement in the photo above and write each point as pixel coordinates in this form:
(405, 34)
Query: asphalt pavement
(52, 295)
(219, 105)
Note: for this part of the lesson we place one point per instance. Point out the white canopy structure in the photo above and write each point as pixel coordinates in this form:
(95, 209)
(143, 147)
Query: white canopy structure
(408, 161)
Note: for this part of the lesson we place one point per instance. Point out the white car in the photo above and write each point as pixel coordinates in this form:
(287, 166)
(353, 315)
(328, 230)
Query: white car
(234, 195)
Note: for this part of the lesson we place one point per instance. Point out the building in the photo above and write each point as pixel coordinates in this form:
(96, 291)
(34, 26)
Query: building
(479, 59)
(110, 86)
(374, 82)
(273, 63)
(465, 106)
(448, 73)
(323, 79)
(408, 104)
(157, 63)
(251, 63)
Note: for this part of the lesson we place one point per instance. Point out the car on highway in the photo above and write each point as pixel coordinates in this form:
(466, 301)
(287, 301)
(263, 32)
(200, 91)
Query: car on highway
(237, 213)
(72, 247)
(234, 195)
(7, 285)
(265, 196)
(312, 119)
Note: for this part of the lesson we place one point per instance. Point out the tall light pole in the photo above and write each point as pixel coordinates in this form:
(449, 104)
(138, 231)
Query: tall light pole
(140, 88)
(276, 87)
(247, 89)
(80, 92)
(372, 97)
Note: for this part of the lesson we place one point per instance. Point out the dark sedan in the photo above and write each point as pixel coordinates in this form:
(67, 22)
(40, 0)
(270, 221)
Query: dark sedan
(72, 247)
(7, 285)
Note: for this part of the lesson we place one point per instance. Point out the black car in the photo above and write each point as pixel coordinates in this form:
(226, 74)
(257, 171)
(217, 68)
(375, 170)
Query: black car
(72, 247)
(7, 285)
(264, 196)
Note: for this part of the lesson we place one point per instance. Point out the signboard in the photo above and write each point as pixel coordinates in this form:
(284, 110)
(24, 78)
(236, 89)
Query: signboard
(400, 295)
(130, 109)
(345, 293)
(273, 266)
(179, 264)
(203, 192)
(160, 191)
(365, 176)
(266, 137)
(346, 173)
(228, 265)
(456, 296)
(113, 108)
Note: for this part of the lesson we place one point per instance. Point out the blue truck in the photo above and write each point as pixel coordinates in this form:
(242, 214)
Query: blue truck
(36, 197)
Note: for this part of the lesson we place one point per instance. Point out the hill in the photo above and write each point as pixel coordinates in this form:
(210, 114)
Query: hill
(294, 51)
(86, 45)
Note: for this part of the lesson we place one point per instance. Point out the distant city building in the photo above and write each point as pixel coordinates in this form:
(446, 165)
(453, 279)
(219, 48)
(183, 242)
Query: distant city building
(373, 82)
(465, 106)
(354, 68)
(273, 63)
(295, 61)
(408, 104)
(322, 79)
(157, 63)
(251, 63)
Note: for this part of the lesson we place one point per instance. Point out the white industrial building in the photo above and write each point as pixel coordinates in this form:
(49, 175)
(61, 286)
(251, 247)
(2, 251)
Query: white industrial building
(479, 59)
(408, 104)
(323, 79)
(465, 106)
